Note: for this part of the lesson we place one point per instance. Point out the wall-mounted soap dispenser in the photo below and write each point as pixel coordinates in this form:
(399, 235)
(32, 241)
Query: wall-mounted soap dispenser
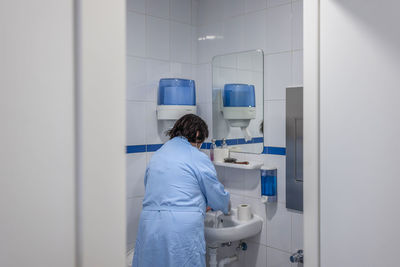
(176, 97)
(239, 106)
(269, 184)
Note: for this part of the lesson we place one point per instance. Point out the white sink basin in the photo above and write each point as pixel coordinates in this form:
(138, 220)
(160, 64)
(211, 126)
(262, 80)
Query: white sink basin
(220, 228)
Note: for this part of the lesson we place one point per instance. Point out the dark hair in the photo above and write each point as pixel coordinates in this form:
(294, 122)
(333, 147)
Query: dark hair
(190, 126)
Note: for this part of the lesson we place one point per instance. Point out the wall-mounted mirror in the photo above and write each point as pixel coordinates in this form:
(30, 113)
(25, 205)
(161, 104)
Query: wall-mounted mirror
(238, 100)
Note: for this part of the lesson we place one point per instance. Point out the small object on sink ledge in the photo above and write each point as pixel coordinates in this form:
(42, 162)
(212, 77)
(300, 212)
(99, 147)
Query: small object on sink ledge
(234, 161)
(242, 162)
(240, 165)
(230, 160)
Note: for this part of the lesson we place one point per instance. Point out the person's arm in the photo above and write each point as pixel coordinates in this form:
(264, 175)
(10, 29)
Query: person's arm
(145, 177)
(216, 196)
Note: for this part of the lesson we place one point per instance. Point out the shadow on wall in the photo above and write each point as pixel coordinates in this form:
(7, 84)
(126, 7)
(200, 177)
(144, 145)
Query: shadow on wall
(163, 126)
(271, 210)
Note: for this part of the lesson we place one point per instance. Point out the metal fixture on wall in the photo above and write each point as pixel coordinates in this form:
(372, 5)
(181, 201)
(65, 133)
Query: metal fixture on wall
(294, 148)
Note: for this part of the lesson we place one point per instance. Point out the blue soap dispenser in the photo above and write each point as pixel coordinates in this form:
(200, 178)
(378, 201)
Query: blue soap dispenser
(268, 184)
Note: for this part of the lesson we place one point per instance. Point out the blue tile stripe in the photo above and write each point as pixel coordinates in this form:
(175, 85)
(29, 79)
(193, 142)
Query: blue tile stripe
(135, 149)
(143, 148)
(267, 149)
(273, 150)
(206, 146)
(238, 141)
(153, 147)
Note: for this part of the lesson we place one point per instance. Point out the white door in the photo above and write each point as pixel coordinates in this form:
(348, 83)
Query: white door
(62, 134)
(37, 173)
(360, 130)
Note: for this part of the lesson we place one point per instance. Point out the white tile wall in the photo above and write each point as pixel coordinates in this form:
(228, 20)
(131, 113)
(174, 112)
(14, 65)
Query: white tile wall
(254, 25)
(158, 8)
(136, 134)
(279, 227)
(181, 42)
(272, 3)
(213, 45)
(203, 82)
(297, 67)
(136, 167)
(254, 5)
(252, 182)
(275, 112)
(233, 33)
(233, 8)
(153, 132)
(182, 70)
(205, 112)
(256, 255)
(136, 79)
(297, 231)
(136, 5)
(155, 70)
(157, 38)
(163, 41)
(209, 11)
(277, 258)
(181, 10)
(194, 44)
(279, 29)
(136, 34)
(195, 9)
(277, 75)
(297, 25)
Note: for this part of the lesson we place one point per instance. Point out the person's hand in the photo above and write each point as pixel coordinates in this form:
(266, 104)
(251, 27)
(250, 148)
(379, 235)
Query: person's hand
(229, 207)
(208, 209)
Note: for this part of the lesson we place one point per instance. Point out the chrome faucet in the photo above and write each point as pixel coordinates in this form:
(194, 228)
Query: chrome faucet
(297, 257)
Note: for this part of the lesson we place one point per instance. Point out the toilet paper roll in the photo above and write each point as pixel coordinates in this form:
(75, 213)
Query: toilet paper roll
(220, 154)
(244, 212)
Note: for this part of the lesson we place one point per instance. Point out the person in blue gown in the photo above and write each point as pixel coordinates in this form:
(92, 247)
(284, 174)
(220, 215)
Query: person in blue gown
(180, 183)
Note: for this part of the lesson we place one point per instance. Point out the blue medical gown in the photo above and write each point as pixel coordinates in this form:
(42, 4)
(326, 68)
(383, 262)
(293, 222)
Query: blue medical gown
(180, 182)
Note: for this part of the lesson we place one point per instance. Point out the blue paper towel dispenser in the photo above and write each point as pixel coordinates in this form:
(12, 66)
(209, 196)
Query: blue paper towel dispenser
(239, 95)
(239, 106)
(176, 97)
(176, 92)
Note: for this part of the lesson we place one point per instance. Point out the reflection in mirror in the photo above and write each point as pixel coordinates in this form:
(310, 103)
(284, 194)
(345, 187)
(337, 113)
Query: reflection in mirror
(238, 94)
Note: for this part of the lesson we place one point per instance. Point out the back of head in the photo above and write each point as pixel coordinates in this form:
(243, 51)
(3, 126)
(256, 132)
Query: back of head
(190, 126)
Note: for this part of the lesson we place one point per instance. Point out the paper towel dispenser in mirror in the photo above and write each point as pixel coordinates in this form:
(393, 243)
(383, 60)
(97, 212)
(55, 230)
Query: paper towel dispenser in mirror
(239, 106)
(238, 94)
(294, 148)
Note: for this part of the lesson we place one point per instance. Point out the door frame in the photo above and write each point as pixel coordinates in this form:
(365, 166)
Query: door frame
(311, 35)
(89, 19)
(99, 73)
